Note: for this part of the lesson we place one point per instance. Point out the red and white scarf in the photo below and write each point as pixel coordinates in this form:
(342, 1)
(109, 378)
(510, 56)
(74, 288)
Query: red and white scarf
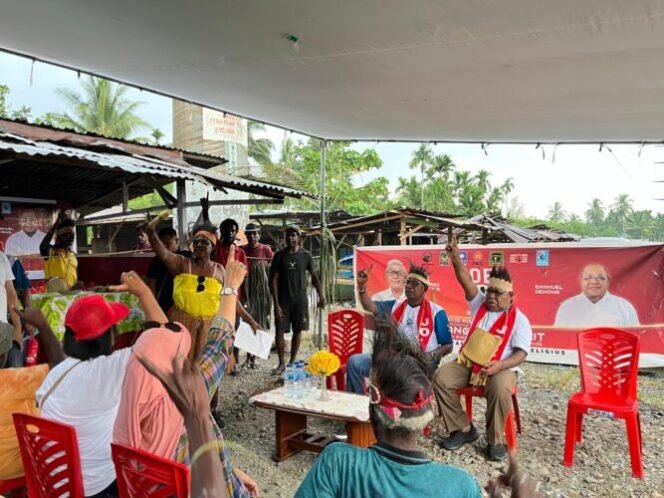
(502, 328)
(424, 321)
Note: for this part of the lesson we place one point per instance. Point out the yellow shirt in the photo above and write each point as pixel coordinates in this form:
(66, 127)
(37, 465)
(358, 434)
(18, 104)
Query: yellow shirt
(63, 264)
(187, 298)
(17, 395)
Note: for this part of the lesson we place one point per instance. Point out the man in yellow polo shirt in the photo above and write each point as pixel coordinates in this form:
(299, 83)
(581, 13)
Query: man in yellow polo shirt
(59, 259)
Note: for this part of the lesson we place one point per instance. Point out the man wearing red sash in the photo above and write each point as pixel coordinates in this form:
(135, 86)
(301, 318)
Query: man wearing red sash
(423, 322)
(493, 314)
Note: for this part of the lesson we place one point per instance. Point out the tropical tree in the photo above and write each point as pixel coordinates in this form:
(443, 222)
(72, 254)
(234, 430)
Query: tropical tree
(157, 135)
(506, 188)
(422, 158)
(443, 166)
(259, 149)
(556, 213)
(103, 108)
(620, 210)
(641, 225)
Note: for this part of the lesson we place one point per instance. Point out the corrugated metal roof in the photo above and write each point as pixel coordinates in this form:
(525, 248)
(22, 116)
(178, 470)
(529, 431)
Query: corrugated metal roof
(90, 175)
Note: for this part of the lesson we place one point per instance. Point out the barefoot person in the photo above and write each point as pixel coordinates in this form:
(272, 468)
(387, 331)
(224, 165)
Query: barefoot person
(288, 281)
(501, 337)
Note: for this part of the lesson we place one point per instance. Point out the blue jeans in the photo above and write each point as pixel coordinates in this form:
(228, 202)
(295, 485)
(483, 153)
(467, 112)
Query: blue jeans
(357, 369)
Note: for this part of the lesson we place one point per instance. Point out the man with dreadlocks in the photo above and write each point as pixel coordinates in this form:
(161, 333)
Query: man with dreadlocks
(498, 341)
(400, 396)
(424, 323)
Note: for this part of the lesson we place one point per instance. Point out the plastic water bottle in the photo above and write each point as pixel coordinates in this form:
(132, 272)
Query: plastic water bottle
(31, 351)
(289, 377)
(601, 413)
(299, 376)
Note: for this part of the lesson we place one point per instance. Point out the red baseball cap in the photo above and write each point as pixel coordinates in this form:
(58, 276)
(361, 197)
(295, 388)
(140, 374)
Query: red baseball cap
(90, 316)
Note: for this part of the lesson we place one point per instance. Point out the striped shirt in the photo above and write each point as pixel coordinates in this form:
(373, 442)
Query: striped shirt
(212, 365)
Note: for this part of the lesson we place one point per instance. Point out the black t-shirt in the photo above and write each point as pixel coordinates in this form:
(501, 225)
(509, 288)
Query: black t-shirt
(163, 280)
(292, 269)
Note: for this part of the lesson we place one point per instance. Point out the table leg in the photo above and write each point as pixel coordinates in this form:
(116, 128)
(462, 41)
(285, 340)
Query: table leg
(287, 425)
(360, 434)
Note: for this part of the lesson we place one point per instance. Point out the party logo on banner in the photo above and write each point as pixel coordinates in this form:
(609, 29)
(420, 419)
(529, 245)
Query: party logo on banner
(444, 258)
(463, 255)
(496, 258)
(518, 258)
(542, 257)
(478, 259)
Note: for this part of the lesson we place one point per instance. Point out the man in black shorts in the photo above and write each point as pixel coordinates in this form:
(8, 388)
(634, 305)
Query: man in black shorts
(288, 281)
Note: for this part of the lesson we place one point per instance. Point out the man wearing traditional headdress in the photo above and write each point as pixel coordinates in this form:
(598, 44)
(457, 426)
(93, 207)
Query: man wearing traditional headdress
(498, 341)
(423, 322)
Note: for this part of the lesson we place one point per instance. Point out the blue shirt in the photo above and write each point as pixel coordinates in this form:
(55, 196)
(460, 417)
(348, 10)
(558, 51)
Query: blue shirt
(382, 471)
(441, 324)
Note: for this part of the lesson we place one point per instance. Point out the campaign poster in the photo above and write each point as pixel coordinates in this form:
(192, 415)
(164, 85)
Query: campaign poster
(22, 229)
(562, 288)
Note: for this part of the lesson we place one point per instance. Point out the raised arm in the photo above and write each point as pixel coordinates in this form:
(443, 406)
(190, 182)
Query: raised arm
(46, 337)
(174, 262)
(362, 279)
(132, 282)
(235, 273)
(460, 270)
(45, 246)
(186, 388)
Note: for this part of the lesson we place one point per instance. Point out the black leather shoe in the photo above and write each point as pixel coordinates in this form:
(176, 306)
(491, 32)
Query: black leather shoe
(458, 438)
(496, 452)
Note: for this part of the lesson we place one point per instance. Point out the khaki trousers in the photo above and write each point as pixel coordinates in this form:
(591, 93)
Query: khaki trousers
(498, 391)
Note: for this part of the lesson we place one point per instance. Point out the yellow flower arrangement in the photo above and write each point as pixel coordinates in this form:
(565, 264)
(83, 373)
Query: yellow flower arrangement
(323, 363)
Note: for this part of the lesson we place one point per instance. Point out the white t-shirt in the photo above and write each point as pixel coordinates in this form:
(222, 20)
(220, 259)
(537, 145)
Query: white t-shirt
(408, 324)
(6, 275)
(21, 244)
(522, 333)
(612, 311)
(88, 398)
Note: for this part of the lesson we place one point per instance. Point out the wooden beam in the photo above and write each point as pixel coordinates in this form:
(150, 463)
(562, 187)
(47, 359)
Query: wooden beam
(402, 232)
(403, 236)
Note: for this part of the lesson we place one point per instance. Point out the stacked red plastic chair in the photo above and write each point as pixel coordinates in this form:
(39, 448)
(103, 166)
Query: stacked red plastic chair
(140, 473)
(609, 361)
(513, 417)
(51, 461)
(345, 329)
(15, 487)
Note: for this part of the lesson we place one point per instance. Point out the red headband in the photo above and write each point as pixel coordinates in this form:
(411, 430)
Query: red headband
(420, 401)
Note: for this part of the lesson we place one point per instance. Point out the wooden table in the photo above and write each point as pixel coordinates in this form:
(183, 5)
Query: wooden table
(291, 415)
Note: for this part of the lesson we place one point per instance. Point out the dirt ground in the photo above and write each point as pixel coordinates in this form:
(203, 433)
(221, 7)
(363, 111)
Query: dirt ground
(602, 465)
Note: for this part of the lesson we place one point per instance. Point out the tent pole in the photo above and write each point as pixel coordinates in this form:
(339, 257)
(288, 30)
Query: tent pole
(323, 226)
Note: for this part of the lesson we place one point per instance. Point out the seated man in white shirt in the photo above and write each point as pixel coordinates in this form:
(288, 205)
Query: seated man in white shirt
(493, 314)
(423, 322)
(595, 306)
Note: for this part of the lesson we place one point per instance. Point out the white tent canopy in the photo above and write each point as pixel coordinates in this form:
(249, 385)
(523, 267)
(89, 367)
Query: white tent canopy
(439, 70)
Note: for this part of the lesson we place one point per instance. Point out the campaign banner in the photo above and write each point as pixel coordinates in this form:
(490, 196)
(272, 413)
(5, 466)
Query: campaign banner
(22, 229)
(562, 288)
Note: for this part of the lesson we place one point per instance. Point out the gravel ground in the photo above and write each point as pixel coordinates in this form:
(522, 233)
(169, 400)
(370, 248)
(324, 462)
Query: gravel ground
(601, 468)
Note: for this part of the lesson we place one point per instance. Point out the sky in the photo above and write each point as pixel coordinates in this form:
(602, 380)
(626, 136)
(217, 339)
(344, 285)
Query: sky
(570, 174)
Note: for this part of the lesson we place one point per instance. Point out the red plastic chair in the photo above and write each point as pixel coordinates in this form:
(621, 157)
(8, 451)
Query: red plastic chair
(609, 362)
(513, 416)
(51, 461)
(345, 329)
(141, 473)
(15, 487)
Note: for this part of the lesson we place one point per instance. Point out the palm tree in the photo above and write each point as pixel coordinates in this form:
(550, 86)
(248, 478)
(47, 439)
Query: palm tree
(460, 182)
(103, 108)
(482, 180)
(556, 213)
(620, 210)
(259, 149)
(494, 199)
(641, 225)
(443, 165)
(422, 157)
(157, 135)
(595, 215)
(506, 188)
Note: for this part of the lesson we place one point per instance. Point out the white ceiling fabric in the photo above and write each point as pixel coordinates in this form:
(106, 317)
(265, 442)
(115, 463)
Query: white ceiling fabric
(452, 70)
